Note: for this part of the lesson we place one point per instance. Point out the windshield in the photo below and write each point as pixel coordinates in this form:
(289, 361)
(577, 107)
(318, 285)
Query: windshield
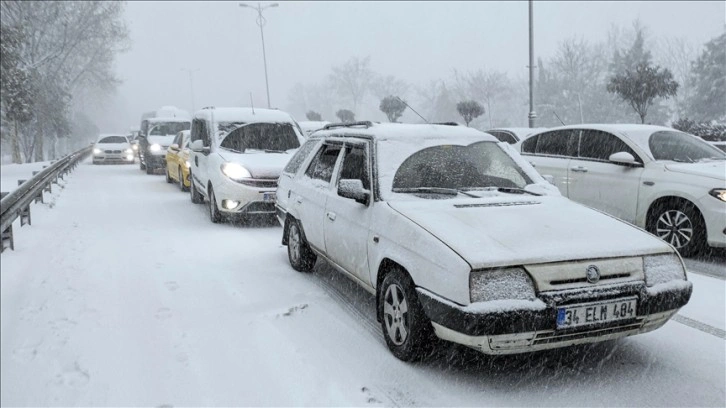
(477, 166)
(168, 128)
(262, 136)
(113, 139)
(681, 147)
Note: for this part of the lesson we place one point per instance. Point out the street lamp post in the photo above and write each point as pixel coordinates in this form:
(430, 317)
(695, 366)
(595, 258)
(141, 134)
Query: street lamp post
(191, 83)
(261, 22)
(532, 114)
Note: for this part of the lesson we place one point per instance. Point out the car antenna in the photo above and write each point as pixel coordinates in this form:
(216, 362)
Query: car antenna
(252, 104)
(414, 111)
(558, 118)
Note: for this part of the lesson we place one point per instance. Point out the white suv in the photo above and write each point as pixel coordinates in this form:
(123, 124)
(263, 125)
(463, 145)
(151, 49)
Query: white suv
(460, 238)
(236, 155)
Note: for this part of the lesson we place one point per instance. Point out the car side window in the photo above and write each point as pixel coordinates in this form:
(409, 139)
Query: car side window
(176, 139)
(355, 166)
(299, 157)
(321, 168)
(555, 143)
(529, 145)
(504, 137)
(199, 132)
(599, 145)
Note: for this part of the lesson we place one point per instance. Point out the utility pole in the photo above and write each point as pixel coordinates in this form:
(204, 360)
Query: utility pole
(261, 22)
(191, 83)
(532, 114)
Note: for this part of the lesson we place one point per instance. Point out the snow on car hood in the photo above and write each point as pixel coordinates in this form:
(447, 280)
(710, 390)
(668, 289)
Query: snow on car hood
(712, 169)
(113, 146)
(162, 140)
(520, 230)
(259, 164)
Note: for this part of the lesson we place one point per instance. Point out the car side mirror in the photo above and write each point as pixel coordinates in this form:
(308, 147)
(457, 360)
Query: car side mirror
(623, 158)
(198, 146)
(174, 147)
(351, 188)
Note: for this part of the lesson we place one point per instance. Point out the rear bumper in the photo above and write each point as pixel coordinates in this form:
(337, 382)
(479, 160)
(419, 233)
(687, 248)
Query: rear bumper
(526, 330)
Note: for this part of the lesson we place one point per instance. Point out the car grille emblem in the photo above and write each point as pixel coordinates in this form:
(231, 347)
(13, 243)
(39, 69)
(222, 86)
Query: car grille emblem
(592, 274)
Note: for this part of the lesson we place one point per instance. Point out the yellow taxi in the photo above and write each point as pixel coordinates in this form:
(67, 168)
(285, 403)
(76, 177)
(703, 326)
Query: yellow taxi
(177, 161)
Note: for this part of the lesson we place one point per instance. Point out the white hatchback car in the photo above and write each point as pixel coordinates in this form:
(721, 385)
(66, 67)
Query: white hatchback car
(669, 182)
(236, 156)
(457, 236)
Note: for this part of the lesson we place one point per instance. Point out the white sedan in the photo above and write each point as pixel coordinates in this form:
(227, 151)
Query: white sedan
(669, 182)
(112, 149)
(458, 237)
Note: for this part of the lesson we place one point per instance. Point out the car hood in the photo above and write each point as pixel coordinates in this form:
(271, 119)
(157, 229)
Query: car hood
(504, 230)
(113, 146)
(162, 140)
(712, 169)
(259, 164)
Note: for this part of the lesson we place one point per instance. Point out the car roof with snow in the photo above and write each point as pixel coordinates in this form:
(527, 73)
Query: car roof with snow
(520, 132)
(401, 131)
(637, 133)
(247, 115)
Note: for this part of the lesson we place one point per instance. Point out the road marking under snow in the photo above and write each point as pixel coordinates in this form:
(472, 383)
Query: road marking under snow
(700, 326)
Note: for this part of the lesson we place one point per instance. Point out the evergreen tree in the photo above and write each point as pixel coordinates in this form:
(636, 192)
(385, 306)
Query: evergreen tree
(708, 100)
(393, 107)
(469, 110)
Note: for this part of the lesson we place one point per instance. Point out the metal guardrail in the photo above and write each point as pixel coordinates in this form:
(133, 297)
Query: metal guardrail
(17, 204)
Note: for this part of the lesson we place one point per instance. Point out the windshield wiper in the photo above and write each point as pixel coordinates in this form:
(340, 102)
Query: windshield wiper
(232, 150)
(433, 190)
(275, 151)
(512, 190)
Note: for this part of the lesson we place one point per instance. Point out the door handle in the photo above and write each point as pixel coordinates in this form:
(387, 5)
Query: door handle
(298, 200)
(579, 169)
(331, 216)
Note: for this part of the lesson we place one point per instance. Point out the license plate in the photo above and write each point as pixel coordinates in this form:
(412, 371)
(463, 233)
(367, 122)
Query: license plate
(596, 313)
(269, 197)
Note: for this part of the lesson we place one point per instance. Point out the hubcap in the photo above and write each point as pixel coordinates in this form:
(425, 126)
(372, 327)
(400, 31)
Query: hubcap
(674, 227)
(293, 242)
(395, 314)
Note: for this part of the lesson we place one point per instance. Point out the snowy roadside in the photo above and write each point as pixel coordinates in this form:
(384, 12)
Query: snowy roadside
(11, 173)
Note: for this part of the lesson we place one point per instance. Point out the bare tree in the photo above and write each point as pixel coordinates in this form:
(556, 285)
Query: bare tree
(487, 87)
(469, 110)
(677, 54)
(385, 85)
(352, 80)
(393, 107)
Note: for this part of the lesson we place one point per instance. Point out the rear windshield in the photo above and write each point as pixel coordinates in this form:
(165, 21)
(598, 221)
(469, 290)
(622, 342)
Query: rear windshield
(262, 136)
(113, 139)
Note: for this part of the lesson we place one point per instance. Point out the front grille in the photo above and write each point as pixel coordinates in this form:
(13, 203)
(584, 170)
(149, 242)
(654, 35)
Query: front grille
(260, 183)
(259, 207)
(113, 151)
(556, 337)
(583, 280)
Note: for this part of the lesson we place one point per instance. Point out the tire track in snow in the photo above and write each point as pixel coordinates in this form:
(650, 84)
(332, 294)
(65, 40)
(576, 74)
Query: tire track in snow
(714, 331)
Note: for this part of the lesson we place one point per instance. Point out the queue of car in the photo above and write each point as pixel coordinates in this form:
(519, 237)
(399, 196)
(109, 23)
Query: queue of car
(459, 236)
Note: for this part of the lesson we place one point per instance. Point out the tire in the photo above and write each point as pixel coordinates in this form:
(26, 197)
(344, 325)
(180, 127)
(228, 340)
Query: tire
(214, 215)
(302, 258)
(182, 187)
(679, 223)
(406, 328)
(149, 169)
(141, 165)
(196, 196)
(168, 176)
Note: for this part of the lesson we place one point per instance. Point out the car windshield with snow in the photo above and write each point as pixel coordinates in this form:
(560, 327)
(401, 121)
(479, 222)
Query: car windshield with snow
(460, 239)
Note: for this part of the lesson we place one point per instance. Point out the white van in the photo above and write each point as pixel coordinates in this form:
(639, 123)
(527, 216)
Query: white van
(158, 130)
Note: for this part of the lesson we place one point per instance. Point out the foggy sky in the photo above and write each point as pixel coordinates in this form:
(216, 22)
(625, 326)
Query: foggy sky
(415, 41)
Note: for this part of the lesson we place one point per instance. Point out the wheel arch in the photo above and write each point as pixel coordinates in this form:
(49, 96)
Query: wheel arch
(384, 268)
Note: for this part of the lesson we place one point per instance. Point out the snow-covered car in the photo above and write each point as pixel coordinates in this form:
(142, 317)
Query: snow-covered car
(460, 238)
(158, 130)
(513, 136)
(310, 126)
(236, 166)
(669, 182)
(112, 149)
(177, 161)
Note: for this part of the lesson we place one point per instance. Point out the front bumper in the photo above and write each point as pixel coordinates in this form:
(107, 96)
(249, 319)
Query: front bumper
(154, 160)
(519, 331)
(113, 158)
(250, 199)
(714, 214)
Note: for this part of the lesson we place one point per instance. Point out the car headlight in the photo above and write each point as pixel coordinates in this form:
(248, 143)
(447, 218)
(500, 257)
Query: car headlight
(662, 268)
(135, 146)
(155, 147)
(499, 284)
(128, 151)
(96, 150)
(719, 193)
(186, 163)
(235, 171)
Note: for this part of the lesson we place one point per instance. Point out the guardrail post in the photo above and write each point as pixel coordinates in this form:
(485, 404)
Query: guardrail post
(25, 215)
(6, 237)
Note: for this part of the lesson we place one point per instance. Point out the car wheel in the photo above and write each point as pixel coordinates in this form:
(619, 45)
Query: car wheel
(301, 257)
(168, 176)
(141, 165)
(149, 169)
(214, 215)
(196, 196)
(406, 328)
(182, 187)
(680, 224)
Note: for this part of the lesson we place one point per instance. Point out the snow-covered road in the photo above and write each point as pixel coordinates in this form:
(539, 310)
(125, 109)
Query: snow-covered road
(125, 294)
